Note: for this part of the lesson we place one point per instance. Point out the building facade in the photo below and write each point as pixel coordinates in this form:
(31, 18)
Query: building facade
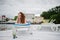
(29, 17)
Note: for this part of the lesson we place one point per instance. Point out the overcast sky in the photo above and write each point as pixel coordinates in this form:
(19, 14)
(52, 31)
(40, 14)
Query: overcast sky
(12, 7)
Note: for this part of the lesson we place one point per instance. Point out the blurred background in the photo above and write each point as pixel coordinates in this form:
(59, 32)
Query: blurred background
(40, 10)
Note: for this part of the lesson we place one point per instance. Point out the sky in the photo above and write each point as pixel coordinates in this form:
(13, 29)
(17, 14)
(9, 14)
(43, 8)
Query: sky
(11, 8)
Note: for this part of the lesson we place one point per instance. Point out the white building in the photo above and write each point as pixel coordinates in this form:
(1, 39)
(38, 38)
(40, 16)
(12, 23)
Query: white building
(29, 17)
(33, 19)
(38, 19)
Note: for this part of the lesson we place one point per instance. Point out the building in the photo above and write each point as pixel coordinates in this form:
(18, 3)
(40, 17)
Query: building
(33, 19)
(3, 18)
(29, 17)
(38, 19)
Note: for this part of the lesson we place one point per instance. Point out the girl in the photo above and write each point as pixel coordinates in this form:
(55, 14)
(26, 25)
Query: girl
(21, 18)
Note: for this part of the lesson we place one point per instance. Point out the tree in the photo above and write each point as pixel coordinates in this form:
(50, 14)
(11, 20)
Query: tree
(57, 21)
(52, 14)
(45, 15)
(56, 14)
(53, 17)
(15, 17)
(7, 19)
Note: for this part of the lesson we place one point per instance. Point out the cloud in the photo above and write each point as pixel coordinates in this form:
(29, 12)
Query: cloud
(12, 7)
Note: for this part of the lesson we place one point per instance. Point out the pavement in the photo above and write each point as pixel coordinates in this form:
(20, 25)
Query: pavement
(34, 34)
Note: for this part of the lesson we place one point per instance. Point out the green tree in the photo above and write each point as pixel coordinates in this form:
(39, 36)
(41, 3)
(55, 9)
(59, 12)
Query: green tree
(52, 14)
(7, 19)
(45, 15)
(15, 17)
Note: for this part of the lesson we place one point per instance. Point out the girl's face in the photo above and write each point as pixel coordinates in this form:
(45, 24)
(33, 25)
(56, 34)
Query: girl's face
(19, 15)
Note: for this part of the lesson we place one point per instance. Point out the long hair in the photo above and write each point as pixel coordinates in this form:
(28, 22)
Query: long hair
(22, 19)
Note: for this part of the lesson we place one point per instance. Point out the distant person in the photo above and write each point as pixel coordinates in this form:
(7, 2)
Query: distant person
(21, 18)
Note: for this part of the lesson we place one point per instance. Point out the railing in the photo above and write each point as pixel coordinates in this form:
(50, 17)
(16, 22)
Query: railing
(53, 27)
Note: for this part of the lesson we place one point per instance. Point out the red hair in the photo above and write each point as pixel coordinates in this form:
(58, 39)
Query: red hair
(22, 19)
